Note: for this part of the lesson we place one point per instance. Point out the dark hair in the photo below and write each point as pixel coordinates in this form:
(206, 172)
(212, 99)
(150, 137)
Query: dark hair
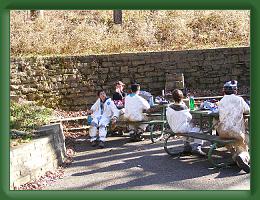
(230, 87)
(135, 87)
(229, 90)
(177, 95)
(99, 91)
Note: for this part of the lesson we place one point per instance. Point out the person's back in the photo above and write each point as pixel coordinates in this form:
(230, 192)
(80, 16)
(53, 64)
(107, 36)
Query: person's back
(232, 125)
(231, 110)
(134, 106)
(179, 118)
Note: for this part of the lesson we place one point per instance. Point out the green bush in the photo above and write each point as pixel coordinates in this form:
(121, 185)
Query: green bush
(28, 116)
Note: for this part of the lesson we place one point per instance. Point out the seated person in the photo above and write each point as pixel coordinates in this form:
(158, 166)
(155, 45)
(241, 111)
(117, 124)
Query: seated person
(231, 124)
(134, 107)
(102, 112)
(119, 100)
(119, 95)
(179, 119)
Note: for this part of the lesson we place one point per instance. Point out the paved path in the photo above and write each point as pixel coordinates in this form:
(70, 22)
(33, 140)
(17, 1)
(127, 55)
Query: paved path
(144, 166)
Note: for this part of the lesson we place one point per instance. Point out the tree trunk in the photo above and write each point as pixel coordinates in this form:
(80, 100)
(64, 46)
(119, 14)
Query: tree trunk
(34, 14)
(117, 14)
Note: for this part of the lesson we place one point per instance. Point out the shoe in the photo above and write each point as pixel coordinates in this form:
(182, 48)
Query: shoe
(138, 137)
(101, 145)
(94, 143)
(242, 164)
(120, 133)
(132, 135)
(198, 151)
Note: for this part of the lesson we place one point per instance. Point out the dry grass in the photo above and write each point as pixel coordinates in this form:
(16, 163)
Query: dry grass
(93, 32)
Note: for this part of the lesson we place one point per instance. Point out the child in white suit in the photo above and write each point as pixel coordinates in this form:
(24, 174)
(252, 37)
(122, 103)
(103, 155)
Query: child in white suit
(102, 112)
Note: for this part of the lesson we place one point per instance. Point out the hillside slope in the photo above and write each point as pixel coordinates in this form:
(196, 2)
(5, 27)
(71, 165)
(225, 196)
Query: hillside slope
(93, 32)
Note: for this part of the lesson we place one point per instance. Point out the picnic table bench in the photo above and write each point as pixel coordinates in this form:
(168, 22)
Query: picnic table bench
(153, 136)
(81, 120)
(215, 140)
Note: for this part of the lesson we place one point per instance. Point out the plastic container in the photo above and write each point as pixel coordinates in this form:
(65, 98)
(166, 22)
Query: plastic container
(89, 119)
(192, 103)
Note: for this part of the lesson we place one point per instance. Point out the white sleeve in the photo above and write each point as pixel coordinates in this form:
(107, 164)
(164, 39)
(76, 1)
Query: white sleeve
(114, 109)
(145, 103)
(246, 108)
(95, 106)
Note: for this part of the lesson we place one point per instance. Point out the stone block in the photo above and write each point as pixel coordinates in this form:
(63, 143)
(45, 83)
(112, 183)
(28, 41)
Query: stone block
(124, 69)
(21, 181)
(138, 62)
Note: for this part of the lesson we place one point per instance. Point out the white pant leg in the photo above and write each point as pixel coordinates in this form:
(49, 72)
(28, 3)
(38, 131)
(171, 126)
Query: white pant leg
(197, 141)
(93, 133)
(102, 133)
(143, 126)
(245, 156)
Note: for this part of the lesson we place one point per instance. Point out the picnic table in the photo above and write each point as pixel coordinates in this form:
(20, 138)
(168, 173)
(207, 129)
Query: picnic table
(156, 121)
(207, 135)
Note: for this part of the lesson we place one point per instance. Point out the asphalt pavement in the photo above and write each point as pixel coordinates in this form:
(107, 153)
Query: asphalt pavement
(125, 165)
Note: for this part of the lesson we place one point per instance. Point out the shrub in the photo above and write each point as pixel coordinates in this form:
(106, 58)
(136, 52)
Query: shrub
(28, 116)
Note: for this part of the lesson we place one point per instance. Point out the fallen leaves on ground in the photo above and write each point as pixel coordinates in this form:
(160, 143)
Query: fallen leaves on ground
(48, 178)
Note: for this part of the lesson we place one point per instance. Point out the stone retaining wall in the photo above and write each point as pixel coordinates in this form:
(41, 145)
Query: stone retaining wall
(72, 82)
(31, 160)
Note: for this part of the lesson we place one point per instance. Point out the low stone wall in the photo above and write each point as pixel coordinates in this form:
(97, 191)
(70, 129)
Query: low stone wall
(31, 160)
(72, 82)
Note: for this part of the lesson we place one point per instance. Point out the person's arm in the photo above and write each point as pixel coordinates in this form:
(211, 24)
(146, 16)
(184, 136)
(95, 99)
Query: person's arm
(94, 107)
(115, 112)
(246, 108)
(145, 103)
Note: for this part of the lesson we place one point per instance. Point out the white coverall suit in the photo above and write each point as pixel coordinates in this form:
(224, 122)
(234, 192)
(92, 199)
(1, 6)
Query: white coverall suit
(102, 114)
(134, 107)
(180, 122)
(232, 124)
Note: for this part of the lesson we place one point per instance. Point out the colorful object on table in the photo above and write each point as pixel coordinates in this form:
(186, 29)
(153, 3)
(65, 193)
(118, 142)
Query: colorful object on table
(209, 105)
(192, 103)
(161, 100)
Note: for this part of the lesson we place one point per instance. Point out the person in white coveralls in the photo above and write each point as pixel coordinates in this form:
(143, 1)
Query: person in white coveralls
(232, 124)
(102, 112)
(134, 107)
(179, 119)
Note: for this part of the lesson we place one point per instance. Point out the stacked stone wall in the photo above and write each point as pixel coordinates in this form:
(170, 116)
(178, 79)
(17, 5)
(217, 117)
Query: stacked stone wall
(31, 160)
(72, 82)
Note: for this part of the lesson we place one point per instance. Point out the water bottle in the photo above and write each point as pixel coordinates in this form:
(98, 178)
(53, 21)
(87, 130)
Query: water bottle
(192, 103)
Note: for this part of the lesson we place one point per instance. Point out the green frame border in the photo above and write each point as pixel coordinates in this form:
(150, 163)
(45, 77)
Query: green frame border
(7, 5)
